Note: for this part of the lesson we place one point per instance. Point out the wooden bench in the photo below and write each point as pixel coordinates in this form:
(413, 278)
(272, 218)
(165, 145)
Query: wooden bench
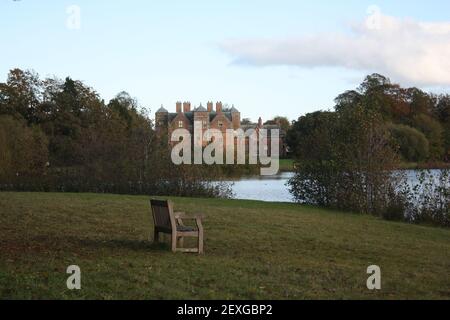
(169, 222)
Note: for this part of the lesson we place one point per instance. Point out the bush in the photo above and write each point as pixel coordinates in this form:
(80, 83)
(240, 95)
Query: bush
(429, 198)
(396, 208)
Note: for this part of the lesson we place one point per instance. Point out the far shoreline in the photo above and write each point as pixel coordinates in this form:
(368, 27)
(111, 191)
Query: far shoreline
(287, 165)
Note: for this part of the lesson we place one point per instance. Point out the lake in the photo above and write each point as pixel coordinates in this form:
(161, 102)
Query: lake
(264, 188)
(274, 189)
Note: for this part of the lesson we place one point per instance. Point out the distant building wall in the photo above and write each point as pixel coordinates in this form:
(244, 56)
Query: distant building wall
(221, 118)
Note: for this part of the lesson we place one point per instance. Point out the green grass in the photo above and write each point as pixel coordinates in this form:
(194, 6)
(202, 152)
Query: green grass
(286, 165)
(254, 250)
(423, 165)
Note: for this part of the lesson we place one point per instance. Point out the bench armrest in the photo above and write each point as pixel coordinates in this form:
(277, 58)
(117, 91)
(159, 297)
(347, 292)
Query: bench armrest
(182, 215)
(197, 217)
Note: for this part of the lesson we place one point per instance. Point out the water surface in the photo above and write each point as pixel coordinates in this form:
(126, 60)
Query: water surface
(274, 188)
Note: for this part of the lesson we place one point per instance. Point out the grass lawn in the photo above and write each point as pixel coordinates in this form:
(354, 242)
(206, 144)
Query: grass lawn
(254, 250)
(286, 165)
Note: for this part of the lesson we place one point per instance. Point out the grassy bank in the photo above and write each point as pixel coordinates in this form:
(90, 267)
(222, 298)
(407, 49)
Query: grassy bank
(288, 165)
(424, 165)
(253, 250)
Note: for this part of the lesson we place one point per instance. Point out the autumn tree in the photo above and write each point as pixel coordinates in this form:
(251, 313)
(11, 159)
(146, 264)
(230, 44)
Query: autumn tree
(282, 122)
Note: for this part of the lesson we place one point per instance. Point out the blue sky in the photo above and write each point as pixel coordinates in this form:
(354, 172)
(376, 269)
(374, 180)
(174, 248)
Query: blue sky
(266, 57)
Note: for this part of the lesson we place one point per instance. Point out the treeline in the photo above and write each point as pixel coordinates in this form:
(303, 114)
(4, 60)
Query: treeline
(418, 121)
(347, 158)
(59, 135)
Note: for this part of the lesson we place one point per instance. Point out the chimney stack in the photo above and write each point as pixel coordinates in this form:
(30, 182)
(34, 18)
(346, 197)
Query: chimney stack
(260, 123)
(219, 107)
(186, 107)
(210, 106)
(178, 107)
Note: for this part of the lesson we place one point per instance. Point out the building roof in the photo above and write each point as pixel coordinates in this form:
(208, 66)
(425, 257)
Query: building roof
(162, 110)
(200, 109)
(227, 112)
(233, 109)
(213, 114)
(189, 115)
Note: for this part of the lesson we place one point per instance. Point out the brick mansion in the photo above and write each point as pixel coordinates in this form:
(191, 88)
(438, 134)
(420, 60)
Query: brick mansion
(220, 117)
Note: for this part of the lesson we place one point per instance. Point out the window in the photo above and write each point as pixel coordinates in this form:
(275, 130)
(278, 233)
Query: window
(220, 124)
(205, 125)
(180, 124)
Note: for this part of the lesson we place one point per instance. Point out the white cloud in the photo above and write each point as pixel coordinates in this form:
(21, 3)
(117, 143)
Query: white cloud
(409, 51)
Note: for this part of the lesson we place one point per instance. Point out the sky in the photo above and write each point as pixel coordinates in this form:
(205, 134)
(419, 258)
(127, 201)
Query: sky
(266, 58)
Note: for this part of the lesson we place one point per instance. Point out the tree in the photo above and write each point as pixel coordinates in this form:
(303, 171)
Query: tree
(413, 145)
(374, 83)
(246, 121)
(348, 99)
(311, 140)
(20, 95)
(310, 137)
(434, 133)
(68, 109)
(420, 102)
(59, 135)
(442, 113)
(24, 150)
(280, 121)
(345, 162)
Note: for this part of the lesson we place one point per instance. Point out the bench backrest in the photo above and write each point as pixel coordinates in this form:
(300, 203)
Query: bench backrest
(162, 211)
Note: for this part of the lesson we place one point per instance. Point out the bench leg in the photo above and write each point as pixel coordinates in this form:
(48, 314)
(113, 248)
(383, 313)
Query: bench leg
(156, 236)
(181, 242)
(174, 242)
(200, 242)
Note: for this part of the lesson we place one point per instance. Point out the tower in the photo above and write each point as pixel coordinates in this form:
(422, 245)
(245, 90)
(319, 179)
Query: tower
(235, 118)
(161, 119)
